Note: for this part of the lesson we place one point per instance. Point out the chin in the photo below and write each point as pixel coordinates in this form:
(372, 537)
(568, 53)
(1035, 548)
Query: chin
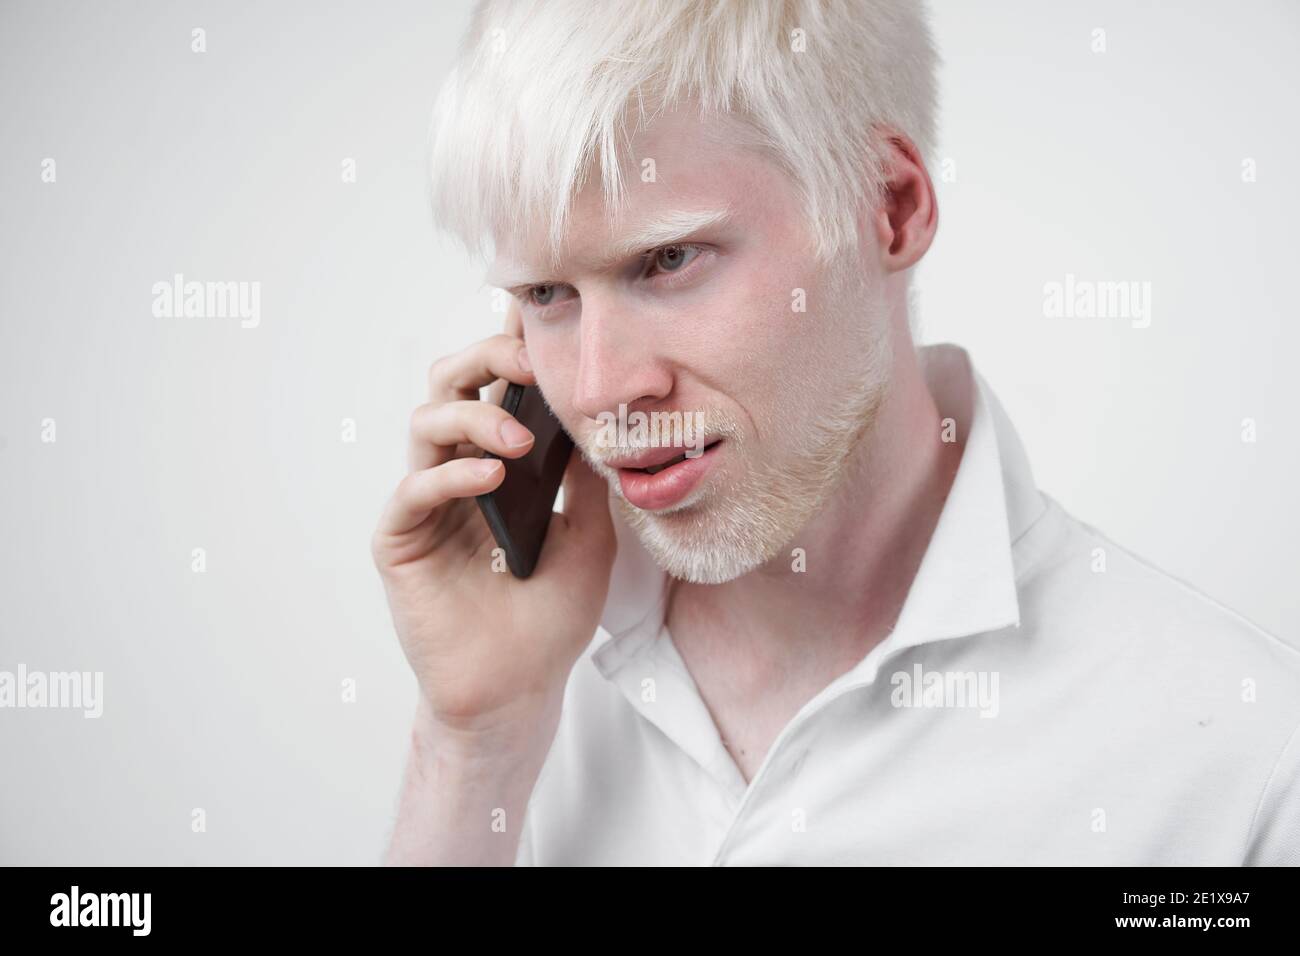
(708, 543)
(755, 515)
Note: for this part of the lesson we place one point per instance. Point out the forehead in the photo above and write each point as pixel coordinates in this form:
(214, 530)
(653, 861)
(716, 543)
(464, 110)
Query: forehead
(685, 172)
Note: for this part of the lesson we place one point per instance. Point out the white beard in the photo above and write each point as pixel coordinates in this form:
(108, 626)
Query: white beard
(729, 528)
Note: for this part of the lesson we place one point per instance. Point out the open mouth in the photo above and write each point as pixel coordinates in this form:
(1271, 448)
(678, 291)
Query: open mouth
(655, 469)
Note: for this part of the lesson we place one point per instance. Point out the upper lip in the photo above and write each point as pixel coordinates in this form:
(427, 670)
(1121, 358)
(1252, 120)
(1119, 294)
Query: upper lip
(655, 456)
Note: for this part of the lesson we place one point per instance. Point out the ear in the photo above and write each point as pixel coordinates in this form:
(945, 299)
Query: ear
(908, 214)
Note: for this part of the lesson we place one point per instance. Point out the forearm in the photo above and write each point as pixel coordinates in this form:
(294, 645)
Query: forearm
(463, 796)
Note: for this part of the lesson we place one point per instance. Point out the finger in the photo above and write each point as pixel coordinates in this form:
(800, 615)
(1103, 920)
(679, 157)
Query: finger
(437, 431)
(514, 324)
(461, 375)
(420, 492)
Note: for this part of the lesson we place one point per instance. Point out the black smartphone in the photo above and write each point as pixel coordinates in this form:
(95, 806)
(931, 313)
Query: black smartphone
(519, 511)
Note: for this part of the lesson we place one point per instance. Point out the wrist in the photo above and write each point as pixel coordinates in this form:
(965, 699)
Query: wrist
(489, 745)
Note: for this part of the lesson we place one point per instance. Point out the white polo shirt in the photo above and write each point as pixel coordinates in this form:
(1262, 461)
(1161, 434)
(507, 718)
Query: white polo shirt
(1046, 697)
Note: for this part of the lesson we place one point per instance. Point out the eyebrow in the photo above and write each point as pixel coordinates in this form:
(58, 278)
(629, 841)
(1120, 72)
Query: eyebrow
(665, 229)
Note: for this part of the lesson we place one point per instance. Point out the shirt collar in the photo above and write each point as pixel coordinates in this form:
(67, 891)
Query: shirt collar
(966, 583)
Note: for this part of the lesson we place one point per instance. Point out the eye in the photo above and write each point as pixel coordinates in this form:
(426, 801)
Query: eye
(543, 295)
(673, 258)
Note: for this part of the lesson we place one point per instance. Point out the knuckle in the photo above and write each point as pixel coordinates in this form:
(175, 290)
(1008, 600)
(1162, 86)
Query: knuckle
(420, 417)
(408, 486)
(471, 416)
(438, 369)
(489, 415)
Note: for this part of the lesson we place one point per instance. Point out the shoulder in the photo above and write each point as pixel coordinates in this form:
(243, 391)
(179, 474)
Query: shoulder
(1189, 689)
(1086, 586)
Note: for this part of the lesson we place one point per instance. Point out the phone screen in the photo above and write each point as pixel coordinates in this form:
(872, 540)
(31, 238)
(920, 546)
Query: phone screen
(519, 511)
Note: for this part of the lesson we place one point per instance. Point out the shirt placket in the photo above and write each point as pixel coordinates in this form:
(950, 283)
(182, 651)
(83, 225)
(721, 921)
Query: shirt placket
(654, 680)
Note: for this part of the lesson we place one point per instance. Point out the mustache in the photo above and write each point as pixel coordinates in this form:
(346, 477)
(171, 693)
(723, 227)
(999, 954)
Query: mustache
(618, 436)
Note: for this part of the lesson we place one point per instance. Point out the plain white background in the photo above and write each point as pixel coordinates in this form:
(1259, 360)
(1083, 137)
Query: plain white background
(223, 689)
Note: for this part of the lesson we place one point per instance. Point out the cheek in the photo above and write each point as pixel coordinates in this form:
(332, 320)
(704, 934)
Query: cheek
(783, 328)
(795, 346)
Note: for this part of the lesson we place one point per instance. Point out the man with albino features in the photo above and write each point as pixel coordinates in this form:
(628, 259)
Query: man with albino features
(782, 650)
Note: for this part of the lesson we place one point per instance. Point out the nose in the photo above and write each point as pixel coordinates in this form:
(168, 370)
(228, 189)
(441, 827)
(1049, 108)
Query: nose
(619, 361)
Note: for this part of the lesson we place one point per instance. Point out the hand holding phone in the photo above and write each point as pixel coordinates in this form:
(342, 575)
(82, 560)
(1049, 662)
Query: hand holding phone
(492, 649)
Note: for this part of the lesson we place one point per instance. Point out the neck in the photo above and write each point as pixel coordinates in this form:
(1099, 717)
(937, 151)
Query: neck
(862, 551)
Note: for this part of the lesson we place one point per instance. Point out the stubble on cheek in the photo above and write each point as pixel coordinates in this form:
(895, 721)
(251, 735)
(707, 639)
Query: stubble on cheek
(816, 394)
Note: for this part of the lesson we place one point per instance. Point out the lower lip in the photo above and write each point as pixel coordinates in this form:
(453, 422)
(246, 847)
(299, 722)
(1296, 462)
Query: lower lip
(665, 488)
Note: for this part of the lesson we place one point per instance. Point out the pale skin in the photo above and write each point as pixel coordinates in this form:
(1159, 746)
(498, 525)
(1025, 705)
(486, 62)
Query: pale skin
(492, 654)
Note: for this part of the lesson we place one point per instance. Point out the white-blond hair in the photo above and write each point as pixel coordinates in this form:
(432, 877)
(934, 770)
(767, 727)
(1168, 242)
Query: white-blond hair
(543, 90)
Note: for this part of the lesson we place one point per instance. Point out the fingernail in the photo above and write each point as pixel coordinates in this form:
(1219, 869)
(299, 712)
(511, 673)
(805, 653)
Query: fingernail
(515, 434)
(523, 359)
(486, 466)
